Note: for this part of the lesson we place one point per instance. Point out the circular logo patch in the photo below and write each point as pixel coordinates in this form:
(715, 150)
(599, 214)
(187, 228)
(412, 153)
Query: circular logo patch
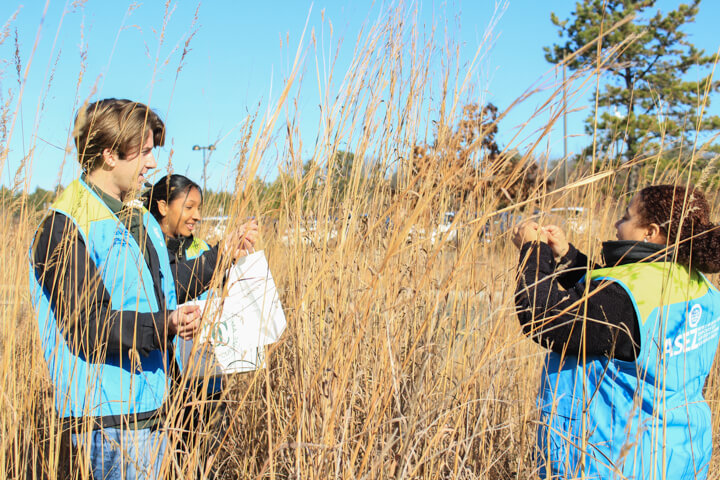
(694, 316)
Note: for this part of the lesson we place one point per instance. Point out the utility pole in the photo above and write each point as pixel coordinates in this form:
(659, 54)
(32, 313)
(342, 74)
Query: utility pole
(210, 147)
(565, 153)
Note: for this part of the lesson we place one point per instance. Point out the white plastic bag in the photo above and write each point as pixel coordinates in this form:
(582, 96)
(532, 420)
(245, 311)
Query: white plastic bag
(238, 326)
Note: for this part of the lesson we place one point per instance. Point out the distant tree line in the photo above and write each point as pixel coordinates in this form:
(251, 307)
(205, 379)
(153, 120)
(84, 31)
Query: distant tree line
(38, 200)
(463, 160)
(466, 159)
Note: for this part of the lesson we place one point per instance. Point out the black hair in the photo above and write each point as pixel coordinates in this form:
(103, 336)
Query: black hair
(168, 188)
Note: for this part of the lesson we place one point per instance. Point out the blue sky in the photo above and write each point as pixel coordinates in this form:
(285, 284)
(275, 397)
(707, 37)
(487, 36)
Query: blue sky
(240, 52)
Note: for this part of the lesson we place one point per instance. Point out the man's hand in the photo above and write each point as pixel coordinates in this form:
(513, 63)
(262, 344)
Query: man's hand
(185, 321)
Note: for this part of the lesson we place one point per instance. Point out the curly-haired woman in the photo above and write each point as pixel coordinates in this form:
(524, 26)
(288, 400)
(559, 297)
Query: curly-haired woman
(631, 344)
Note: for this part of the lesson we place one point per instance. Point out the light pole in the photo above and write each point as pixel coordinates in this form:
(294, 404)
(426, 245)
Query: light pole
(564, 99)
(210, 147)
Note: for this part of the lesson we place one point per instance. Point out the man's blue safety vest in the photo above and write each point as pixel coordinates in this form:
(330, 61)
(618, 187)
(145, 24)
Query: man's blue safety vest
(112, 386)
(604, 418)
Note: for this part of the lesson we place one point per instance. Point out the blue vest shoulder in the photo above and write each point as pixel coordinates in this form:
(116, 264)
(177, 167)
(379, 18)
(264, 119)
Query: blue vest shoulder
(111, 385)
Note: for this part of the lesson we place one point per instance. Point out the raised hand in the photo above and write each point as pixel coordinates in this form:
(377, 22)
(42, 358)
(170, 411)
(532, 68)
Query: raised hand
(556, 240)
(527, 231)
(240, 241)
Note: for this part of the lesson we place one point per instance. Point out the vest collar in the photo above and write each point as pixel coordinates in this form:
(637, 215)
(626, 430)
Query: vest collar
(621, 252)
(178, 245)
(112, 203)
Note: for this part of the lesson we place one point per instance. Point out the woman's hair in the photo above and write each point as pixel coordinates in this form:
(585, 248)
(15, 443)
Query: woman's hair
(119, 125)
(168, 188)
(683, 215)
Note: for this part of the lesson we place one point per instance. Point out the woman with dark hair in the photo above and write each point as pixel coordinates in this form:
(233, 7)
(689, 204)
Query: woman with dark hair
(176, 201)
(631, 344)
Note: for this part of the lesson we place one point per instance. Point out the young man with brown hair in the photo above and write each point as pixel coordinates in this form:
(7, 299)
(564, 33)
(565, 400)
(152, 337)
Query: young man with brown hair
(105, 296)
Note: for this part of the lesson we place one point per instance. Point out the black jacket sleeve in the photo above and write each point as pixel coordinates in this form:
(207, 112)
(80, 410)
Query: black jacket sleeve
(192, 277)
(569, 320)
(571, 268)
(81, 302)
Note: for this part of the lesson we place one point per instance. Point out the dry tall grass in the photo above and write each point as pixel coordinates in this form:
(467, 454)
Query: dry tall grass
(403, 357)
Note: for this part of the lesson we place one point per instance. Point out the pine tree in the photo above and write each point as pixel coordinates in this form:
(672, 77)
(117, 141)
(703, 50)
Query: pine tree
(645, 93)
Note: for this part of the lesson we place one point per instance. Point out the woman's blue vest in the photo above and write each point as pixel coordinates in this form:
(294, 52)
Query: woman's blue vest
(115, 385)
(604, 418)
(214, 383)
(197, 248)
(183, 347)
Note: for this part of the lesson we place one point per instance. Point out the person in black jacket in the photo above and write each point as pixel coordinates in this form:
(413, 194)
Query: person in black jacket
(103, 291)
(552, 270)
(631, 344)
(176, 202)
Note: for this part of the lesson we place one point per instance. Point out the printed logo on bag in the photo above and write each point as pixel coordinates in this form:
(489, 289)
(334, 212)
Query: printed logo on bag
(219, 334)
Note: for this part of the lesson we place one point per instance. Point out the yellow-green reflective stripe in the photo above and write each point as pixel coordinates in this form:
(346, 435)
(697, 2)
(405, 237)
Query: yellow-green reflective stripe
(82, 206)
(645, 280)
(196, 248)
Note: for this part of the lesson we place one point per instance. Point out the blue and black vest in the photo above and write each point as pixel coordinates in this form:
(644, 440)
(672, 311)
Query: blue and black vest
(213, 383)
(605, 418)
(197, 248)
(116, 386)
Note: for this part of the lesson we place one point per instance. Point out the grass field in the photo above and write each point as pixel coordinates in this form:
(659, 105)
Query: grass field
(403, 357)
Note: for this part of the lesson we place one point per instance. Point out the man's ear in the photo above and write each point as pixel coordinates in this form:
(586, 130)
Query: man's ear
(654, 234)
(109, 157)
(162, 207)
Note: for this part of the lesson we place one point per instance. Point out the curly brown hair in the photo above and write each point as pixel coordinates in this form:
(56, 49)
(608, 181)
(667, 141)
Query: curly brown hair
(683, 215)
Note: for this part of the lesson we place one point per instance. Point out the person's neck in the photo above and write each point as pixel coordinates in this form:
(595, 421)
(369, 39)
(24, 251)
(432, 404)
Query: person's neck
(102, 180)
(176, 236)
(166, 231)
